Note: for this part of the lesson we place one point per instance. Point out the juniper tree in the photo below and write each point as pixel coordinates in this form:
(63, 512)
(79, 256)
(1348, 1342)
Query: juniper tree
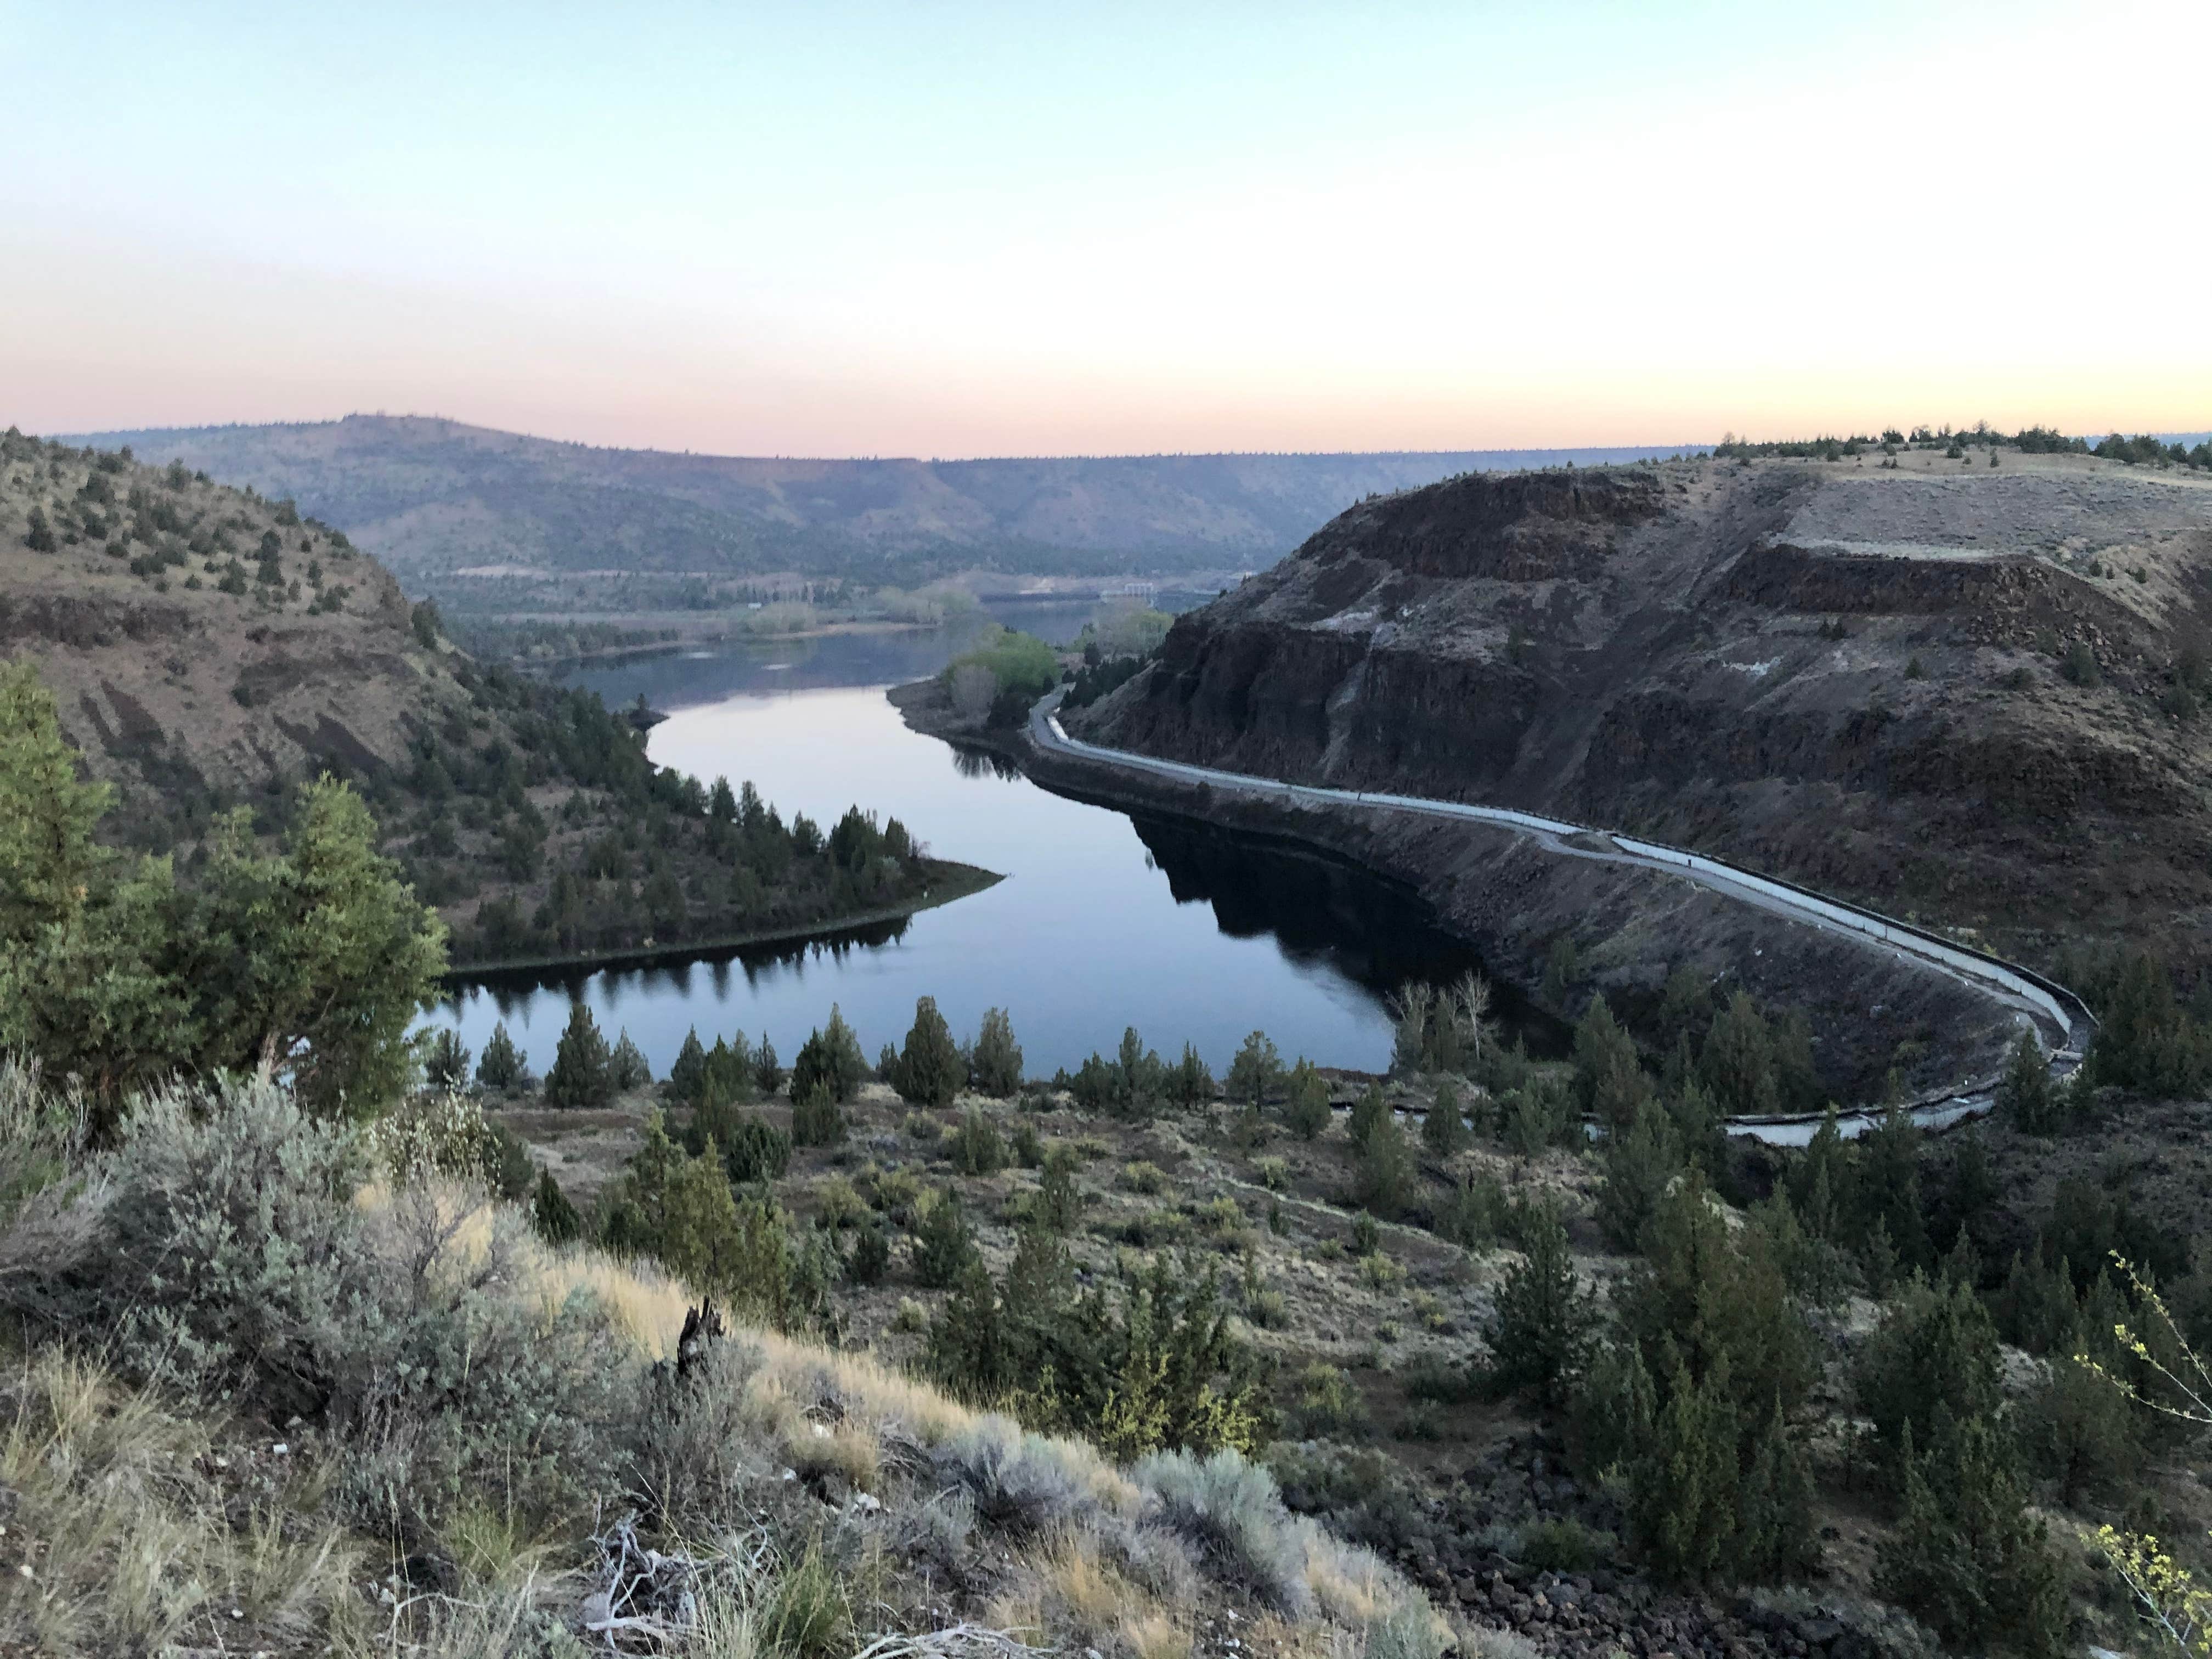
(1444, 1131)
(1257, 1070)
(1369, 1111)
(1609, 1079)
(553, 1216)
(930, 1071)
(1640, 1161)
(943, 1245)
(2025, 1094)
(997, 1065)
(626, 1066)
(815, 1119)
(831, 1057)
(1543, 1322)
(582, 1073)
(501, 1065)
(687, 1074)
(1305, 1111)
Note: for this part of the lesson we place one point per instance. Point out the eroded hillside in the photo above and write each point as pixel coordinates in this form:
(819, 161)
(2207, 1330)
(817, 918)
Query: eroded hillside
(209, 649)
(1965, 690)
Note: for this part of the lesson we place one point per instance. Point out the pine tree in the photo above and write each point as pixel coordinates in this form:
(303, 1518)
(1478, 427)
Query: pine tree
(1058, 1200)
(582, 1076)
(969, 1345)
(501, 1065)
(1934, 1353)
(930, 1072)
(767, 1076)
(1542, 1322)
(998, 1062)
(1305, 1111)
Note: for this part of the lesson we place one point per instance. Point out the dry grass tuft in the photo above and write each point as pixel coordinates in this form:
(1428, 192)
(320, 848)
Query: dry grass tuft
(120, 1542)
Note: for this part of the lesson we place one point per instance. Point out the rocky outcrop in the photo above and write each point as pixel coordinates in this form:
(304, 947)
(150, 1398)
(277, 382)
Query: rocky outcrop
(1989, 726)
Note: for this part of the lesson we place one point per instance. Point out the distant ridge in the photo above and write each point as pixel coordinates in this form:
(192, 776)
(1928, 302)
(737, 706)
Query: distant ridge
(432, 497)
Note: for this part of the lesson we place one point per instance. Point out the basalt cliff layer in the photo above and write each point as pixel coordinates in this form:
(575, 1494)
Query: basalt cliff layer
(1964, 693)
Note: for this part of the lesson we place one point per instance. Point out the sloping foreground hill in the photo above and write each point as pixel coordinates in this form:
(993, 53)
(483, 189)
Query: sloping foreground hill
(1967, 691)
(348, 1405)
(208, 649)
(432, 497)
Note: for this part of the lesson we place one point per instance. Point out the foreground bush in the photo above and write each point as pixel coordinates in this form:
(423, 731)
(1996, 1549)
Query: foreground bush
(474, 1414)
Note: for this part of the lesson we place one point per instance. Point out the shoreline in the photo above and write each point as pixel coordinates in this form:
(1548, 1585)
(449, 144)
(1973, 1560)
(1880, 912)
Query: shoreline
(1510, 900)
(958, 882)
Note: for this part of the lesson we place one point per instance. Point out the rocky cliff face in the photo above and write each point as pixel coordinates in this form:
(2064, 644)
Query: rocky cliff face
(1848, 675)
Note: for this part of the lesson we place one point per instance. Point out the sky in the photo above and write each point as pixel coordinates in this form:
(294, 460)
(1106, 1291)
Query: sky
(955, 229)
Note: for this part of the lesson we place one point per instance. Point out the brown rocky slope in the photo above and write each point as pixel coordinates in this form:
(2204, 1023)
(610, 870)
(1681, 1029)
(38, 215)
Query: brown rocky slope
(1852, 676)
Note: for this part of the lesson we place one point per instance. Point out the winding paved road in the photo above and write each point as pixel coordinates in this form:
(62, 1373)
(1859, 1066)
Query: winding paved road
(2061, 1021)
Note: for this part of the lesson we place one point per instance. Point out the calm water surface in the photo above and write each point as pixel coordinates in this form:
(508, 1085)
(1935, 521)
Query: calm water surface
(1102, 921)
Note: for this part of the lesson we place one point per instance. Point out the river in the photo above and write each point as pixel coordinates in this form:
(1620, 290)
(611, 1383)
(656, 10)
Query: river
(1103, 921)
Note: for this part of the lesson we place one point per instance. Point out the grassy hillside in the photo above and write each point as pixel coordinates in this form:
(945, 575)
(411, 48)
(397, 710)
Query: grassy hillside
(343, 1401)
(209, 649)
(435, 498)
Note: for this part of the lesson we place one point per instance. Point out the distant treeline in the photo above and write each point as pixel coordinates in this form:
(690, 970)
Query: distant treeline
(2145, 449)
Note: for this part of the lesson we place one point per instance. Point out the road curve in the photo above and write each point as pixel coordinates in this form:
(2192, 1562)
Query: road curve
(2061, 1020)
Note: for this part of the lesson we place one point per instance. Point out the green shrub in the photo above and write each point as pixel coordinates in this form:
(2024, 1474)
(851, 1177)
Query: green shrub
(976, 1146)
(234, 1259)
(815, 1118)
(943, 1245)
(1232, 1512)
(1560, 1544)
(871, 1259)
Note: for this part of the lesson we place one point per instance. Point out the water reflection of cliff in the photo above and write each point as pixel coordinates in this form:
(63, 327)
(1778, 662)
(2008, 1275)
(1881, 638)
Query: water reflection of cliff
(983, 763)
(1321, 910)
(718, 970)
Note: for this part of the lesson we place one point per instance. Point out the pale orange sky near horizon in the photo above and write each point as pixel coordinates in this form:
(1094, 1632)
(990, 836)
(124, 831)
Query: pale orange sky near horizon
(851, 231)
